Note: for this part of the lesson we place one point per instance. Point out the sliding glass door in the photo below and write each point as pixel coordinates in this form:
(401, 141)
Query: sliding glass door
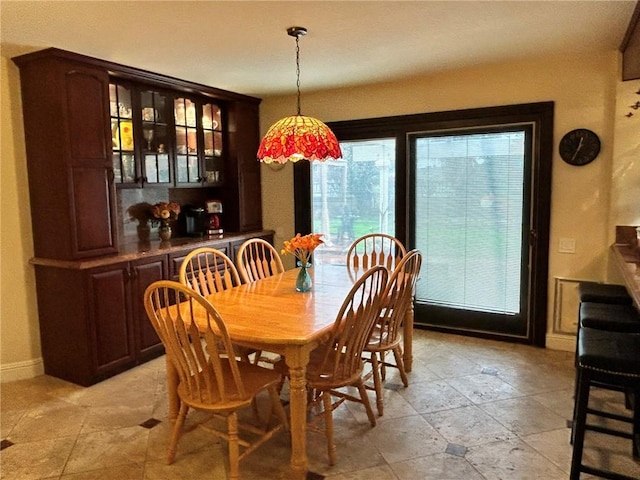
(470, 189)
(471, 213)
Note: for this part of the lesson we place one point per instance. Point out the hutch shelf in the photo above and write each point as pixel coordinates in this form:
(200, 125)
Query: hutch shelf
(101, 138)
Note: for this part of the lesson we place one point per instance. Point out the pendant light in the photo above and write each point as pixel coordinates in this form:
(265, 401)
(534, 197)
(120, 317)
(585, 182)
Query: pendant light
(298, 137)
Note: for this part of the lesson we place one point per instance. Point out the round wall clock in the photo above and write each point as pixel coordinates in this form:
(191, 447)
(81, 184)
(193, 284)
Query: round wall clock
(579, 146)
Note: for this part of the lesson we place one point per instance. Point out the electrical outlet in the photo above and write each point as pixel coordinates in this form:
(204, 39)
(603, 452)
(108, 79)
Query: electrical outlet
(567, 245)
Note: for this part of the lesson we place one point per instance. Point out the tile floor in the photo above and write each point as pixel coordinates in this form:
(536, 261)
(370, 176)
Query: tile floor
(475, 409)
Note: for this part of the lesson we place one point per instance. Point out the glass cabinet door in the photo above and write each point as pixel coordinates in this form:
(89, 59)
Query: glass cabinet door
(152, 148)
(122, 135)
(155, 134)
(213, 147)
(187, 158)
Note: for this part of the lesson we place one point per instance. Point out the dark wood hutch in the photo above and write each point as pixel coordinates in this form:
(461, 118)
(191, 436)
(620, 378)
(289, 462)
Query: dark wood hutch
(105, 141)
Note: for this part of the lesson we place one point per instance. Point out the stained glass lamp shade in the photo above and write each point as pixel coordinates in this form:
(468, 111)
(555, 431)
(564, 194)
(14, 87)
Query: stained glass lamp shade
(298, 137)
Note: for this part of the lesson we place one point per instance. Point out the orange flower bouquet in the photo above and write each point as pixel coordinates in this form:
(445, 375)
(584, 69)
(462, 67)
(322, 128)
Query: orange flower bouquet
(302, 247)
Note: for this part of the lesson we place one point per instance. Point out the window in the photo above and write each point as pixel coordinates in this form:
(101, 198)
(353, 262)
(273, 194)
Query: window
(353, 196)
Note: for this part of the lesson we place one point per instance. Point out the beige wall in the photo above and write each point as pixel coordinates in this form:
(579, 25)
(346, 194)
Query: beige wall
(19, 335)
(584, 89)
(584, 205)
(625, 185)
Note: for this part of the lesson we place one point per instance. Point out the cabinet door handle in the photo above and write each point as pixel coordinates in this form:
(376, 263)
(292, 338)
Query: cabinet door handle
(130, 273)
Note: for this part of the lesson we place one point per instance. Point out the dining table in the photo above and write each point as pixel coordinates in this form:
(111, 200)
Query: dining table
(272, 316)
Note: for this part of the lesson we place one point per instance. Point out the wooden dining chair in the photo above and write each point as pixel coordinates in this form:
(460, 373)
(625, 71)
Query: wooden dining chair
(338, 362)
(386, 335)
(207, 270)
(211, 379)
(257, 259)
(374, 249)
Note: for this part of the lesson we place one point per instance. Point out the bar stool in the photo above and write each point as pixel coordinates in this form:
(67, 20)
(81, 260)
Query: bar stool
(605, 359)
(616, 318)
(606, 307)
(604, 293)
(613, 318)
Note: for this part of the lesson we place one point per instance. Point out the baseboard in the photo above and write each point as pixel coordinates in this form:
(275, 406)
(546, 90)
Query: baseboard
(556, 341)
(21, 370)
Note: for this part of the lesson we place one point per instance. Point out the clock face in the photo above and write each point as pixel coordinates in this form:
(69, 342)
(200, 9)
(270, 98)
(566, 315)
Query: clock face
(579, 147)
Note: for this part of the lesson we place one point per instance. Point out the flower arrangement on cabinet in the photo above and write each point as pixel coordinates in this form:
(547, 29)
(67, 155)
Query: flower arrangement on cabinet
(163, 212)
(302, 247)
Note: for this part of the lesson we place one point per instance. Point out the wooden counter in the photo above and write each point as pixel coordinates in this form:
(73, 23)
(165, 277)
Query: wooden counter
(93, 324)
(135, 250)
(625, 254)
(627, 261)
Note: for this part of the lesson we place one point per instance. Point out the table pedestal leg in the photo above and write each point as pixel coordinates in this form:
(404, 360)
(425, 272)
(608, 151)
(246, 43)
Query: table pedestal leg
(297, 362)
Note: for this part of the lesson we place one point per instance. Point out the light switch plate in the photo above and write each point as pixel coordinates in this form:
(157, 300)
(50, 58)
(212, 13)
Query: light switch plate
(567, 245)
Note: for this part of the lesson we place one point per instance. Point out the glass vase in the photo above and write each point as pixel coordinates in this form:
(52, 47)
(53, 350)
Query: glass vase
(303, 280)
(165, 231)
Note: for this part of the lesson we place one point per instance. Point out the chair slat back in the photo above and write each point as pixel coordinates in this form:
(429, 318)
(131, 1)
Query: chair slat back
(374, 249)
(208, 270)
(204, 358)
(354, 321)
(397, 297)
(257, 259)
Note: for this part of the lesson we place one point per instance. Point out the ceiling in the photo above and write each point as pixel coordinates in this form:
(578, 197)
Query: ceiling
(243, 46)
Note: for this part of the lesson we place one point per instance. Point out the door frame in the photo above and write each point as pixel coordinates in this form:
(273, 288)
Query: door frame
(540, 115)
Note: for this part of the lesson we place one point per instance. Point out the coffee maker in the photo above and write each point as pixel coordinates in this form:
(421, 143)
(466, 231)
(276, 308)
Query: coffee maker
(195, 221)
(214, 212)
